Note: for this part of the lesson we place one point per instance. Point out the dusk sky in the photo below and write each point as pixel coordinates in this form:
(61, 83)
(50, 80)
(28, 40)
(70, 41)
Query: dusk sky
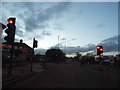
(83, 25)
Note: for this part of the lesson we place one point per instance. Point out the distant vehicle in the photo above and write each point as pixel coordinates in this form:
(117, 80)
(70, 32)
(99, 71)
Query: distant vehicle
(104, 58)
(96, 58)
(42, 59)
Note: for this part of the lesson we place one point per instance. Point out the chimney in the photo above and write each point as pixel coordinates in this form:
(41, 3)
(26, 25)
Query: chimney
(21, 41)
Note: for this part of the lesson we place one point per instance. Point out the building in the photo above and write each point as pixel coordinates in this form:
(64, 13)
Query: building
(21, 52)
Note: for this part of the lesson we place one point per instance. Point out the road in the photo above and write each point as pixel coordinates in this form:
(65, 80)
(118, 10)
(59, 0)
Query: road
(71, 75)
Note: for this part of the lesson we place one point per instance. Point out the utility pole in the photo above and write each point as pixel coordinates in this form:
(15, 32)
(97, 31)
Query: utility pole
(58, 41)
(65, 47)
(66, 44)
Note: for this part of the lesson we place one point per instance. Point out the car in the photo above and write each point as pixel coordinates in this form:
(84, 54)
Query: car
(106, 58)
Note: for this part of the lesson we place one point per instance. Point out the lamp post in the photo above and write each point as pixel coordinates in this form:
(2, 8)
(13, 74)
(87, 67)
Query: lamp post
(61, 35)
(66, 44)
(58, 41)
(65, 47)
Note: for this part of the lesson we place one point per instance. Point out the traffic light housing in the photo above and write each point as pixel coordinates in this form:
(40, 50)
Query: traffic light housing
(35, 43)
(2, 26)
(10, 31)
(99, 50)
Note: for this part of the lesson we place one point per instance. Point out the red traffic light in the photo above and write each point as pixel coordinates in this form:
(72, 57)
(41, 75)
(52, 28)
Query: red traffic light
(10, 31)
(10, 21)
(98, 47)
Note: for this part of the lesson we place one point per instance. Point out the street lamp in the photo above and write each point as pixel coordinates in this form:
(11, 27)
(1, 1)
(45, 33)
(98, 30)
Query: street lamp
(66, 44)
(65, 47)
(61, 35)
(58, 41)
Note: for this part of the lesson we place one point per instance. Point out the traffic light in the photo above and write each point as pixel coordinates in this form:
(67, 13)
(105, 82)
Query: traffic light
(10, 31)
(35, 43)
(2, 26)
(99, 50)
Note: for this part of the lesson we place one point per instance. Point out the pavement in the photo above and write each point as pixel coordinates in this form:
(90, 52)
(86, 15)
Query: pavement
(20, 72)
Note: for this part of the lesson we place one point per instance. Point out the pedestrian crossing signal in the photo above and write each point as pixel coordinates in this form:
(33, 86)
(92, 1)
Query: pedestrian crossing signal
(35, 43)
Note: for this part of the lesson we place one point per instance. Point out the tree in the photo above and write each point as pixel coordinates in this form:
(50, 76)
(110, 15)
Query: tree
(78, 55)
(54, 55)
(90, 57)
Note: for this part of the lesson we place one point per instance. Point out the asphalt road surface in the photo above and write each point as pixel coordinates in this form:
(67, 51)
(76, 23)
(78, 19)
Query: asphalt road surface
(71, 75)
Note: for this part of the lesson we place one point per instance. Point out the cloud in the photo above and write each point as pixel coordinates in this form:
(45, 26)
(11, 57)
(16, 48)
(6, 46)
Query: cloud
(57, 9)
(34, 16)
(73, 49)
(100, 26)
(20, 33)
(80, 12)
(57, 26)
(87, 48)
(63, 39)
(3, 40)
(111, 39)
(46, 33)
(40, 51)
(71, 40)
(17, 40)
(30, 24)
(110, 44)
(43, 16)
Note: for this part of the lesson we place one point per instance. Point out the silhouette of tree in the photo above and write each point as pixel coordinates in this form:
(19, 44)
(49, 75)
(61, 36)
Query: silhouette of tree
(78, 55)
(90, 57)
(55, 55)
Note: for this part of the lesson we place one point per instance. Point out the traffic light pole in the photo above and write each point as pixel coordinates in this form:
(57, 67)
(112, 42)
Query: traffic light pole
(32, 57)
(34, 46)
(11, 59)
(32, 61)
(10, 31)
